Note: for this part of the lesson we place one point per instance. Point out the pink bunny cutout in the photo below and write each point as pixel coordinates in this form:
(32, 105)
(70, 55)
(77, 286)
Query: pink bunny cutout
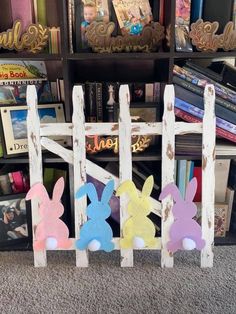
(51, 232)
(185, 232)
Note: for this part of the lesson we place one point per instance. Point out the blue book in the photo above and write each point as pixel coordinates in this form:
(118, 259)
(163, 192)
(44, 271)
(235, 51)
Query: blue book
(181, 176)
(191, 170)
(196, 10)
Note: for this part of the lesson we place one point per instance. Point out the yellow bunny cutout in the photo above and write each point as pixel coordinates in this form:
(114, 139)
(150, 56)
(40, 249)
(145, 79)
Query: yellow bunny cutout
(138, 230)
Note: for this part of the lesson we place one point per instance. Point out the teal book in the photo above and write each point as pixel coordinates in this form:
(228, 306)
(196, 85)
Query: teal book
(181, 176)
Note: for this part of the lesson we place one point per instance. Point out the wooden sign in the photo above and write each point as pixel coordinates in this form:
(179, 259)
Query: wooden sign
(96, 144)
(99, 38)
(204, 37)
(34, 39)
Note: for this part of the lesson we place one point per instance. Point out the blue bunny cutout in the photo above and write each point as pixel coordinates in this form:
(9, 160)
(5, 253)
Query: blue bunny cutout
(96, 234)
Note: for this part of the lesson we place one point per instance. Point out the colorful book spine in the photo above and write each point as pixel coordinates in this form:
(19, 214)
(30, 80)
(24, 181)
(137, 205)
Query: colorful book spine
(196, 10)
(198, 101)
(200, 91)
(23, 11)
(181, 104)
(183, 10)
(41, 11)
(201, 80)
(181, 176)
(189, 118)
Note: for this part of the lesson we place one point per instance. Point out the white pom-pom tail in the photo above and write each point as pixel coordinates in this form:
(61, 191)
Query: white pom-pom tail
(94, 245)
(51, 243)
(188, 244)
(138, 243)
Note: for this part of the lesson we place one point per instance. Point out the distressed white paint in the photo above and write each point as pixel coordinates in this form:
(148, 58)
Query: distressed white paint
(168, 162)
(125, 164)
(79, 161)
(35, 163)
(168, 128)
(208, 176)
(112, 129)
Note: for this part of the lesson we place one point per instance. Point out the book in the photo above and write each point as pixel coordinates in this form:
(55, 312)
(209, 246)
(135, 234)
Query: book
(195, 111)
(196, 10)
(149, 90)
(197, 173)
(201, 80)
(220, 225)
(229, 200)
(220, 11)
(162, 12)
(232, 175)
(90, 102)
(52, 13)
(234, 14)
(200, 91)
(221, 175)
(23, 11)
(190, 118)
(182, 12)
(41, 12)
(198, 101)
(181, 176)
(99, 102)
(203, 70)
(132, 15)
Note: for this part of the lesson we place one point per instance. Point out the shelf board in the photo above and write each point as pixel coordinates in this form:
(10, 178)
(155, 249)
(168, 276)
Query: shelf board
(47, 158)
(119, 56)
(30, 56)
(210, 55)
(229, 239)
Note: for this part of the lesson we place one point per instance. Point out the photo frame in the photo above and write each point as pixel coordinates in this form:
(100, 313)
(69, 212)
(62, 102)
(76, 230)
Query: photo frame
(15, 222)
(14, 127)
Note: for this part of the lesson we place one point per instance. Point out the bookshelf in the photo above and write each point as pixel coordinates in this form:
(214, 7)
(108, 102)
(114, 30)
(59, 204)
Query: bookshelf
(124, 67)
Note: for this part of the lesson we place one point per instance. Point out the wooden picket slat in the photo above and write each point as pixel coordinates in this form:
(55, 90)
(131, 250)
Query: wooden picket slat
(168, 163)
(35, 163)
(125, 165)
(208, 176)
(79, 161)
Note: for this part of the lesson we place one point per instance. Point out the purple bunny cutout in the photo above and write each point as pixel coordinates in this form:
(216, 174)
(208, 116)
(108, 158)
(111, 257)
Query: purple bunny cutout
(185, 232)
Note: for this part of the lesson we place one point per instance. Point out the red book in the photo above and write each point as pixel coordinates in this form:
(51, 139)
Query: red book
(197, 173)
(189, 118)
(22, 10)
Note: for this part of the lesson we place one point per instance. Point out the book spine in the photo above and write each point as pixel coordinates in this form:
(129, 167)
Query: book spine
(41, 11)
(199, 91)
(189, 118)
(205, 71)
(181, 104)
(157, 92)
(91, 109)
(5, 16)
(149, 92)
(196, 10)
(162, 12)
(201, 81)
(182, 11)
(198, 101)
(99, 102)
(23, 11)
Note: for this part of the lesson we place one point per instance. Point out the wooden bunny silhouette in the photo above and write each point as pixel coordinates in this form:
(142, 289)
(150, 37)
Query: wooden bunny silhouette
(51, 232)
(96, 234)
(138, 230)
(185, 232)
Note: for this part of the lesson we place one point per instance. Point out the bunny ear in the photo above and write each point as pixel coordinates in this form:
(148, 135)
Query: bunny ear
(58, 189)
(37, 190)
(191, 190)
(148, 186)
(128, 187)
(171, 189)
(89, 189)
(107, 192)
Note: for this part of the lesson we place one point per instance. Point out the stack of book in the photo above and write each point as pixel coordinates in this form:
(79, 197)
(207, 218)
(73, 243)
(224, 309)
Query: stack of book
(190, 81)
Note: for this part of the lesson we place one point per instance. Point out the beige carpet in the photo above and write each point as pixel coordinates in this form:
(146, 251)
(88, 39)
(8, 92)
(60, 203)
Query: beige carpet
(106, 288)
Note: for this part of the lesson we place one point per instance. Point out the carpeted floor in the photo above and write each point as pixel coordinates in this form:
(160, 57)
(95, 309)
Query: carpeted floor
(106, 288)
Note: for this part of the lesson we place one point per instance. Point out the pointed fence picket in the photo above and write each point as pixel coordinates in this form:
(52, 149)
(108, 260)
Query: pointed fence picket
(38, 136)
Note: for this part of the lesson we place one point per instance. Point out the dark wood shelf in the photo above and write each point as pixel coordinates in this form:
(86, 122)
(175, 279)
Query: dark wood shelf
(199, 55)
(230, 239)
(119, 56)
(30, 56)
(47, 158)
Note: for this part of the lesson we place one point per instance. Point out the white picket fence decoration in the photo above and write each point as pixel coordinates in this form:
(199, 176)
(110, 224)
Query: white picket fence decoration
(168, 128)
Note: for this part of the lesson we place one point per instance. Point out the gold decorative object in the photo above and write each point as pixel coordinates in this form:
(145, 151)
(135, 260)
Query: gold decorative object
(34, 39)
(204, 37)
(95, 143)
(99, 36)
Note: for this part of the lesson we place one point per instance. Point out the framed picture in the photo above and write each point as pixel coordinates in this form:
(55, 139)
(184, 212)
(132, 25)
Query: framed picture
(15, 221)
(7, 96)
(14, 128)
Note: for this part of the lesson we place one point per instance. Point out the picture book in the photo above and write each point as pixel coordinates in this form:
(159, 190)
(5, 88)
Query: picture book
(132, 15)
